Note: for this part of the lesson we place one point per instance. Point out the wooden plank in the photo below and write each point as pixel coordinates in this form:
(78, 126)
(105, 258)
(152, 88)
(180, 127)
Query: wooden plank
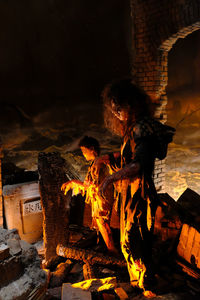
(183, 240)
(190, 242)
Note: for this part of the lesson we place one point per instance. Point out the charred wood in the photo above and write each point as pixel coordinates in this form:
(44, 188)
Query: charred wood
(88, 256)
(88, 272)
(55, 205)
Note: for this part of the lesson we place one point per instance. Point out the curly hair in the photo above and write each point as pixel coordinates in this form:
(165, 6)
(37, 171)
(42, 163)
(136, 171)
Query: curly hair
(125, 93)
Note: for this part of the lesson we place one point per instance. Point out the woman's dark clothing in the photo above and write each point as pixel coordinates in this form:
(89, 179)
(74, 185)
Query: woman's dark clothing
(143, 143)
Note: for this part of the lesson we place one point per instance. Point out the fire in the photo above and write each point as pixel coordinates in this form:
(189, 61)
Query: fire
(97, 284)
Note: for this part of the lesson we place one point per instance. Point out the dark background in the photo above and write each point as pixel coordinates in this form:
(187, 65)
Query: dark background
(61, 50)
(55, 58)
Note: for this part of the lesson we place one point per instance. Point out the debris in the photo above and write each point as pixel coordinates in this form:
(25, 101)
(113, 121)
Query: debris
(54, 292)
(14, 246)
(190, 202)
(189, 245)
(107, 271)
(188, 270)
(22, 277)
(71, 293)
(58, 276)
(107, 296)
(77, 268)
(4, 252)
(167, 220)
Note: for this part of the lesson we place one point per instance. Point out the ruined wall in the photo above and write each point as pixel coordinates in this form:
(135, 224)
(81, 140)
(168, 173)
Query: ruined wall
(156, 27)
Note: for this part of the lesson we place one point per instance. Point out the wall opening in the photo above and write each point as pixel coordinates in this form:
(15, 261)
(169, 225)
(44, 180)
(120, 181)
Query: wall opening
(183, 112)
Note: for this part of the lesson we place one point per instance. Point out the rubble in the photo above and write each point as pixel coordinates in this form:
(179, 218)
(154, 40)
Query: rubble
(59, 275)
(4, 251)
(189, 201)
(81, 266)
(71, 293)
(22, 276)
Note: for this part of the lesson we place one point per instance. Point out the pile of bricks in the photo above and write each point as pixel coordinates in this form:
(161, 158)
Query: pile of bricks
(21, 275)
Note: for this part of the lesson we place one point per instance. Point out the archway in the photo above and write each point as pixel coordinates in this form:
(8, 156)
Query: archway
(183, 112)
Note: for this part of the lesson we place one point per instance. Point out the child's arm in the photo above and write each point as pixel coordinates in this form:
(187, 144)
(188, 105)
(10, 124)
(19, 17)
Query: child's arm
(77, 185)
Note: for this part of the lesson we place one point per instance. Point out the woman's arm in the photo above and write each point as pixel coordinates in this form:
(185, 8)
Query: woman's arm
(128, 172)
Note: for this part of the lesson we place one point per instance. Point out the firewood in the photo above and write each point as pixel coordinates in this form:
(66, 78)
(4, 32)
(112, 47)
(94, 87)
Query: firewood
(88, 256)
(88, 272)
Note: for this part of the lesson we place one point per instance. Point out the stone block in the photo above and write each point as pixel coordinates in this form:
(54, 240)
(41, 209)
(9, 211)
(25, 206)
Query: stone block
(14, 245)
(4, 252)
(11, 269)
(23, 210)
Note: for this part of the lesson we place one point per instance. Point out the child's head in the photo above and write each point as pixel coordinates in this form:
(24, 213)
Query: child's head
(89, 147)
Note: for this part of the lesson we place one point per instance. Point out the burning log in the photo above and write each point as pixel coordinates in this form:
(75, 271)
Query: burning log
(88, 256)
(88, 272)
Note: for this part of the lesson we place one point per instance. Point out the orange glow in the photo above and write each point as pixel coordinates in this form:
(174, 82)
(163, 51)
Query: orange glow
(97, 284)
(99, 207)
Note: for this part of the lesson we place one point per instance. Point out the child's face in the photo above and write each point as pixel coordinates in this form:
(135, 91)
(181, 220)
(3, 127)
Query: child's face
(89, 154)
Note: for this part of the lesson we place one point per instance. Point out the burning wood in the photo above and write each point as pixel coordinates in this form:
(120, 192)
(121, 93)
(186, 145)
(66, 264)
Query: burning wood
(88, 256)
(88, 272)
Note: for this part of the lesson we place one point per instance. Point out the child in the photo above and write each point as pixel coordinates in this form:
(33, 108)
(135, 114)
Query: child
(101, 207)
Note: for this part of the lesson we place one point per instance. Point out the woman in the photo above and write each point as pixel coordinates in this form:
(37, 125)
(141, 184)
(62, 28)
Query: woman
(128, 113)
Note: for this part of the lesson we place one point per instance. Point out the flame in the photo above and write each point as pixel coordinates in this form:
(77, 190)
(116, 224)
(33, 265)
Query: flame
(97, 284)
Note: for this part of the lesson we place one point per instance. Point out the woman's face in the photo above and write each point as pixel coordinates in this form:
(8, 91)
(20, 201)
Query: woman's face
(122, 113)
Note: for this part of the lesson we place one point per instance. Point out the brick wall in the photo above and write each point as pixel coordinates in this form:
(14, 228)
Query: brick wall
(156, 26)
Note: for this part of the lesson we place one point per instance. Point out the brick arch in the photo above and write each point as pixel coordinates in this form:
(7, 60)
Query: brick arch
(156, 26)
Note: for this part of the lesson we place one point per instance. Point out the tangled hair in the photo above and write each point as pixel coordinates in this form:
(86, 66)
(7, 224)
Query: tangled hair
(124, 93)
(90, 143)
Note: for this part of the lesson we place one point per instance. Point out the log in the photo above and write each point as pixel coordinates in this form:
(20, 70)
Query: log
(88, 272)
(88, 256)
